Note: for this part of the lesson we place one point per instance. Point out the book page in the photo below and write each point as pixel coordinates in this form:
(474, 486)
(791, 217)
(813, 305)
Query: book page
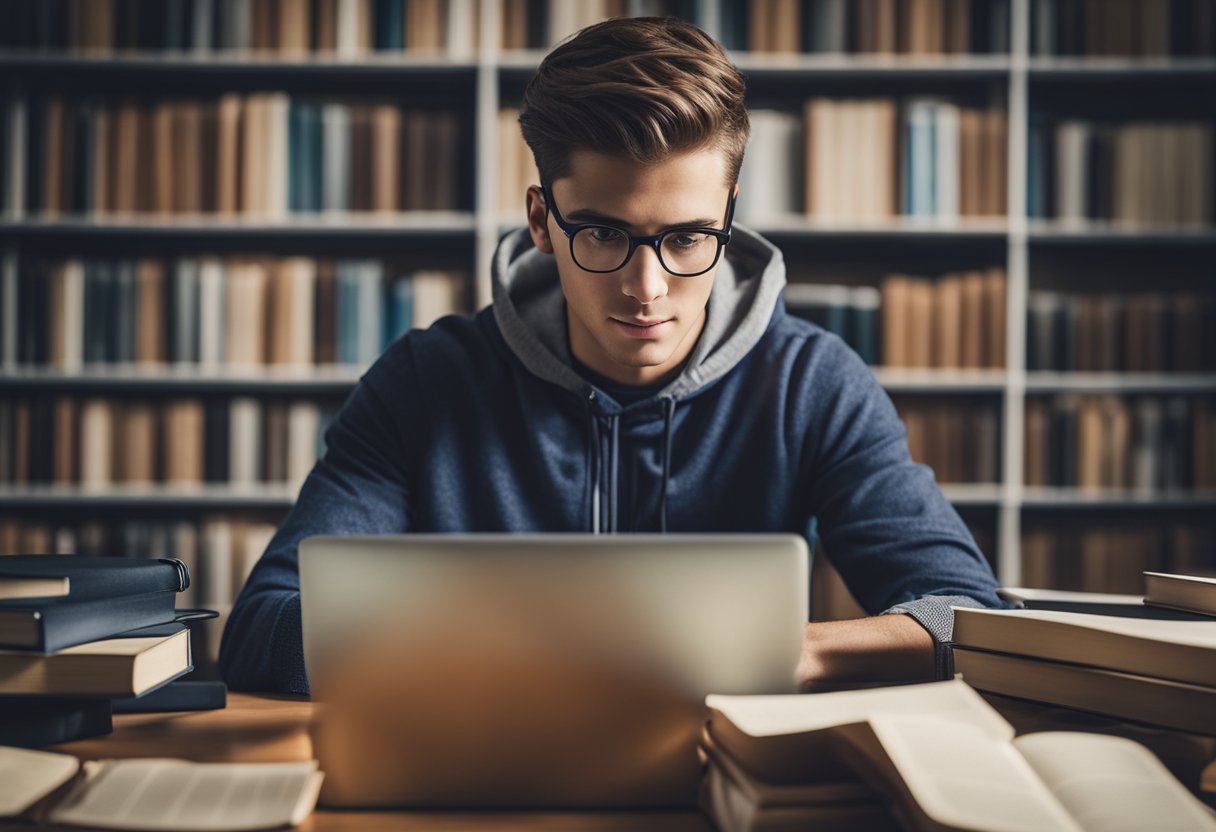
(1111, 783)
(763, 716)
(206, 797)
(1194, 633)
(964, 779)
(28, 776)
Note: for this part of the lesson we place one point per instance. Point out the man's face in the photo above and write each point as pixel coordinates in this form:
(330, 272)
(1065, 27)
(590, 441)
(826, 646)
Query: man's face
(636, 325)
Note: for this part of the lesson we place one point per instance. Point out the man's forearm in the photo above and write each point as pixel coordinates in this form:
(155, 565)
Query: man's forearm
(877, 649)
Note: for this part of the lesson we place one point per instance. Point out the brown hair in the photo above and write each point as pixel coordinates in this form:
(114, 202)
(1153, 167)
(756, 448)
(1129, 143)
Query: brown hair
(640, 88)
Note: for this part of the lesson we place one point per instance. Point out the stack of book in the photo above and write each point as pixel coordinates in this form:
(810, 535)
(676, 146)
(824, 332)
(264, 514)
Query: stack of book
(923, 757)
(77, 633)
(1150, 662)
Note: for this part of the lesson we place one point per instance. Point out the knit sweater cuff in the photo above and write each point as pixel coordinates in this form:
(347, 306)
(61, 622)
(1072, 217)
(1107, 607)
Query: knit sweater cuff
(935, 614)
(287, 654)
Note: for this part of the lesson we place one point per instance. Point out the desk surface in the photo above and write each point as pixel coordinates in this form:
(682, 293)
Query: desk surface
(275, 729)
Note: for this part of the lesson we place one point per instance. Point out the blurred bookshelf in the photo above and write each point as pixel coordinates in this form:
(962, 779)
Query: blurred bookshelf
(934, 257)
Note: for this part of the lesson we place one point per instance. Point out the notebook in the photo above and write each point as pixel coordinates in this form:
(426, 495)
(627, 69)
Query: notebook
(555, 671)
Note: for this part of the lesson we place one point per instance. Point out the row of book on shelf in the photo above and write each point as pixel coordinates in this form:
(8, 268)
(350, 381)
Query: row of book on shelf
(907, 757)
(1135, 172)
(885, 27)
(1145, 443)
(843, 160)
(1109, 556)
(1121, 332)
(286, 28)
(1130, 28)
(99, 441)
(959, 440)
(85, 637)
(259, 154)
(213, 312)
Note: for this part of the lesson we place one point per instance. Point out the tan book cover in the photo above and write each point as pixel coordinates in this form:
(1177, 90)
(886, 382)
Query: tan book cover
(1148, 699)
(785, 25)
(917, 429)
(514, 24)
(127, 157)
(1035, 461)
(96, 442)
(162, 161)
(110, 667)
(1193, 593)
(1091, 440)
(247, 312)
(136, 451)
(275, 447)
(821, 157)
(1038, 561)
(325, 321)
(975, 317)
(327, 26)
(67, 427)
(896, 316)
(229, 129)
(920, 323)
(362, 170)
(252, 180)
(386, 158)
(188, 157)
(293, 28)
(150, 305)
(994, 317)
(1116, 453)
(760, 25)
(948, 321)
(971, 170)
(274, 153)
(183, 440)
(424, 26)
(291, 311)
(436, 294)
(995, 156)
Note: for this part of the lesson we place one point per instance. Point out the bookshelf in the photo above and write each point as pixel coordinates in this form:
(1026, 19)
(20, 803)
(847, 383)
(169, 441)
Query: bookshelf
(1006, 71)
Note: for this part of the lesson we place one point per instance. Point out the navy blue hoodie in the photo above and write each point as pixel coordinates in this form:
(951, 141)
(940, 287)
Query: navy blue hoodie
(483, 424)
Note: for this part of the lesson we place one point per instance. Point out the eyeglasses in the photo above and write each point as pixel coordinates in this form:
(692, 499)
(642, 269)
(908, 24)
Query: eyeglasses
(684, 252)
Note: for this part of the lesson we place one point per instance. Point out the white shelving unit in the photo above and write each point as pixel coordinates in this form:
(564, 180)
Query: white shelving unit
(1011, 76)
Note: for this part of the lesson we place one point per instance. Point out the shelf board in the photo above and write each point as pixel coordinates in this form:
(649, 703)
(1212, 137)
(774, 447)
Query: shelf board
(155, 496)
(1051, 68)
(973, 494)
(1109, 498)
(411, 224)
(908, 380)
(1094, 232)
(278, 380)
(1050, 382)
(903, 228)
(229, 62)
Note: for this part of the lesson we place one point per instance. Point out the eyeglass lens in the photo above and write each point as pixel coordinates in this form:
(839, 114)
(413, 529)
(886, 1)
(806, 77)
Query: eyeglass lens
(601, 248)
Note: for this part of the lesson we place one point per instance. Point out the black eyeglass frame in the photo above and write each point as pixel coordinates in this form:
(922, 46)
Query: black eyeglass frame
(654, 241)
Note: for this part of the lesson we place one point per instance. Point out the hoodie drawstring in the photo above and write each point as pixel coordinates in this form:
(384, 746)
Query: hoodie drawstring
(614, 450)
(669, 412)
(593, 457)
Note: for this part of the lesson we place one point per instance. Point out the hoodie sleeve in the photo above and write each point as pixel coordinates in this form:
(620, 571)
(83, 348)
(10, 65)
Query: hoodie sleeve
(359, 487)
(896, 540)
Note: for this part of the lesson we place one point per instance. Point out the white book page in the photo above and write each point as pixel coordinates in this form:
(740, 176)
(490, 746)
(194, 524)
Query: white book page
(762, 716)
(28, 776)
(1112, 784)
(174, 794)
(963, 779)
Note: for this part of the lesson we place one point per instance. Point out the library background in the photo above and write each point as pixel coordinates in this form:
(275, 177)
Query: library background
(216, 213)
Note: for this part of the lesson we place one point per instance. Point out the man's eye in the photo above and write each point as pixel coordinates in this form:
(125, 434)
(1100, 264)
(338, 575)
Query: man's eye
(686, 240)
(605, 235)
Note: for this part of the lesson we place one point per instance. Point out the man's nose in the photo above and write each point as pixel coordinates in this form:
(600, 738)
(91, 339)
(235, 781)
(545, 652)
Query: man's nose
(645, 278)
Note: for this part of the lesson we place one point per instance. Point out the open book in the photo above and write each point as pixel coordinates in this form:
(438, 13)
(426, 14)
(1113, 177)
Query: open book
(948, 761)
(156, 794)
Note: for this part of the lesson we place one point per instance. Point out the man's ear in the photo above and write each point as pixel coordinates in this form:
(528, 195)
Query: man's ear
(538, 220)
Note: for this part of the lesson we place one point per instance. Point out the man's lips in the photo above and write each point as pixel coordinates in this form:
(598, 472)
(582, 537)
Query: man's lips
(643, 328)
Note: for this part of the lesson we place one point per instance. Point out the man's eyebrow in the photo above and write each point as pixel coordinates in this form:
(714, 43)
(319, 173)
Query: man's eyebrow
(584, 215)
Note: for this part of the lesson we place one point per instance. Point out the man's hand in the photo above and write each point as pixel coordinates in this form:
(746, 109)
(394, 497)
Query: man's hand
(883, 648)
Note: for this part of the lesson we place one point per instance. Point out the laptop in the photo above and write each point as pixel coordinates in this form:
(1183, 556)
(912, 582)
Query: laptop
(548, 671)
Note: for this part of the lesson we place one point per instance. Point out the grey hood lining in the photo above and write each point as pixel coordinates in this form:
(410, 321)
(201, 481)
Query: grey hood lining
(531, 311)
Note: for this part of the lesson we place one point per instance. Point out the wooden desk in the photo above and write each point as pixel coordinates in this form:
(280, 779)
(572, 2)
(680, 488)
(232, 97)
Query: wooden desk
(275, 729)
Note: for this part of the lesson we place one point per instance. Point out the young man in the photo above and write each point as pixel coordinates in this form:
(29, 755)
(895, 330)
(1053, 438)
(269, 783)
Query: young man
(632, 377)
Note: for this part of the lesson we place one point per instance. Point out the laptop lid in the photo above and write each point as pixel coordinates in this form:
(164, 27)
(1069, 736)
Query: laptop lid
(543, 671)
